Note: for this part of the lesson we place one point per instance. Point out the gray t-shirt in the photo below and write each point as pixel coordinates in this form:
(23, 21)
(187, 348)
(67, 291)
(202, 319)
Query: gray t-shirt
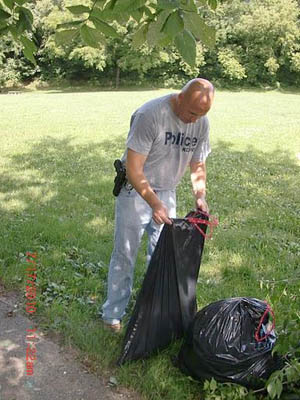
(168, 143)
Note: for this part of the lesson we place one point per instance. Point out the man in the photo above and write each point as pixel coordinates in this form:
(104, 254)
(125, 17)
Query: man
(166, 135)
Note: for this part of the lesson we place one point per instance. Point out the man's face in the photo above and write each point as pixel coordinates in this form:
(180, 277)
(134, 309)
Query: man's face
(191, 108)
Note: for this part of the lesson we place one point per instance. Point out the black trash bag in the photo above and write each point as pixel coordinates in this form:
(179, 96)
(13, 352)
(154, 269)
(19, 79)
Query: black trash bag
(166, 303)
(231, 340)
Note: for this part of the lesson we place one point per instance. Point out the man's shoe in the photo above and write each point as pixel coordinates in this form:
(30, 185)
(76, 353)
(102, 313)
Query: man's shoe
(115, 328)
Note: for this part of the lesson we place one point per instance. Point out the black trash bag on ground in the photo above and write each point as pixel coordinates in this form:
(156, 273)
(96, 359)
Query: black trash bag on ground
(231, 340)
(166, 303)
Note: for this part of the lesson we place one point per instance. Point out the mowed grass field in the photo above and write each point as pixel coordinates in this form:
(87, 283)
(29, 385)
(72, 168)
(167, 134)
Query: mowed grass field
(56, 178)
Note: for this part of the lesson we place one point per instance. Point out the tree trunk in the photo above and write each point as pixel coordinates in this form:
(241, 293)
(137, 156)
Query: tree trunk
(117, 77)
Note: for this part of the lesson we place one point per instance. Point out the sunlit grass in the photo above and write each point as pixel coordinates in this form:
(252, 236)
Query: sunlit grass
(56, 165)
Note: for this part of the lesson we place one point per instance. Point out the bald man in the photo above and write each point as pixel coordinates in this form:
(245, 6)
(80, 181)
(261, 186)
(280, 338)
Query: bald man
(166, 135)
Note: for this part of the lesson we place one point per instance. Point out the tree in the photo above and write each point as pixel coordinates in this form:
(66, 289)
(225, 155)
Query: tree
(158, 22)
(257, 42)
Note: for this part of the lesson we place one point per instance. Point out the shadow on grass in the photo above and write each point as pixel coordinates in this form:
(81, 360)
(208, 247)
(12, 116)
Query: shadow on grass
(57, 200)
(65, 196)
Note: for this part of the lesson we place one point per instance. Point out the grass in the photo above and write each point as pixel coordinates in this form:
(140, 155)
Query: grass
(56, 163)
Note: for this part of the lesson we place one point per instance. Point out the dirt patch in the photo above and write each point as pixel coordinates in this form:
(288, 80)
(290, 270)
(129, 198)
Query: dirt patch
(56, 370)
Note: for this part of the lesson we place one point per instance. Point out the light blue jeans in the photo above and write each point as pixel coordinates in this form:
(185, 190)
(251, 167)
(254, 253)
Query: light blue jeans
(133, 216)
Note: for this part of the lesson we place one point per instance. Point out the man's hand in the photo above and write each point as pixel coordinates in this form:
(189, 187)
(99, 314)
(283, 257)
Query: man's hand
(134, 166)
(160, 214)
(201, 204)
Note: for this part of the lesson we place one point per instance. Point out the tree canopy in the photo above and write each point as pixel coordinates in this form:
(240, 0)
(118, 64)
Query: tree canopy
(158, 22)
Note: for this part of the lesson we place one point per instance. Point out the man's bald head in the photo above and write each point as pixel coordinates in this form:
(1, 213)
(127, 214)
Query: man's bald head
(194, 100)
(199, 89)
(198, 84)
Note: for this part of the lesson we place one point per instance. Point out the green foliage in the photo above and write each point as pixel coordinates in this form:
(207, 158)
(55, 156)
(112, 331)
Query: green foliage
(260, 39)
(9, 73)
(230, 65)
(91, 58)
(274, 385)
(286, 380)
(164, 21)
(217, 391)
(200, 30)
(94, 20)
(17, 20)
(14, 67)
(186, 45)
(295, 62)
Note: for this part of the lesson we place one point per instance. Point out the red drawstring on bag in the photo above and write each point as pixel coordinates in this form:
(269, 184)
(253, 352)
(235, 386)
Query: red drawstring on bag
(256, 335)
(211, 223)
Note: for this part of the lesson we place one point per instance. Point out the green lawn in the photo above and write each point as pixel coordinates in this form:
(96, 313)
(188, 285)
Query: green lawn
(56, 163)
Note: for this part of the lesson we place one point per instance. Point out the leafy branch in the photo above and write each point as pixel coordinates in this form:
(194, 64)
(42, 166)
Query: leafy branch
(159, 23)
(17, 20)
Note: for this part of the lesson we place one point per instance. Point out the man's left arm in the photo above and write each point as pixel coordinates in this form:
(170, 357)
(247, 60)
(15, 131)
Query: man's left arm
(198, 178)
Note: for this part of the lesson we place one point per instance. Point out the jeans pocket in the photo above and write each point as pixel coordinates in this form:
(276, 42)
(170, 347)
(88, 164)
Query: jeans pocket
(128, 191)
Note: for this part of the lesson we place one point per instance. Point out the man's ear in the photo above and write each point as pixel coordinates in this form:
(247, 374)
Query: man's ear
(180, 97)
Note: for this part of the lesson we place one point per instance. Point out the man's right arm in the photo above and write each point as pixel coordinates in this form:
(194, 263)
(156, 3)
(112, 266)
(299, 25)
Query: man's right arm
(135, 174)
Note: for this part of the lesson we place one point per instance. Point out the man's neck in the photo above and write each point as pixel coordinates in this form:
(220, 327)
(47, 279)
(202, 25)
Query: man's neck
(174, 103)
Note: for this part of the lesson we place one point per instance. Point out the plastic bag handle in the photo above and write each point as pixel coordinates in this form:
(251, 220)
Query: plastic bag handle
(256, 335)
(196, 221)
